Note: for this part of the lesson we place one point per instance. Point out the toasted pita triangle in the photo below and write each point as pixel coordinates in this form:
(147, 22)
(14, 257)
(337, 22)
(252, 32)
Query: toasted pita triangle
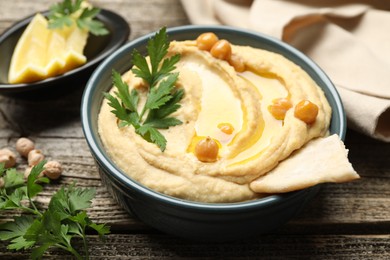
(321, 160)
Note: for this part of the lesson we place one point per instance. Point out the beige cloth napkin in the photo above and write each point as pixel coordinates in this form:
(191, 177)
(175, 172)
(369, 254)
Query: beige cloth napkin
(350, 40)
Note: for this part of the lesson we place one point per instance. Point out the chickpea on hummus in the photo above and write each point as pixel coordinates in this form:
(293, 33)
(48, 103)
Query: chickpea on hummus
(244, 111)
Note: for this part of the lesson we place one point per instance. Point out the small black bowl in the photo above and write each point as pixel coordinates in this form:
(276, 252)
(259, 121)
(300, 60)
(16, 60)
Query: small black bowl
(96, 50)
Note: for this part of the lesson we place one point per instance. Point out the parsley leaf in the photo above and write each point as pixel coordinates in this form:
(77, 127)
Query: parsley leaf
(79, 199)
(152, 135)
(69, 12)
(13, 179)
(129, 100)
(15, 232)
(2, 169)
(102, 229)
(64, 219)
(33, 186)
(161, 95)
(162, 99)
(157, 49)
(14, 190)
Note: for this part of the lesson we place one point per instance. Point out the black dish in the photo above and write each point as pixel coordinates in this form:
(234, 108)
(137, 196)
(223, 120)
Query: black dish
(96, 50)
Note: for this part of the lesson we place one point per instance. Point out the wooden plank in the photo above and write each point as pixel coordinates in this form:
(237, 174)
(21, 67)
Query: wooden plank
(349, 220)
(143, 16)
(158, 246)
(363, 201)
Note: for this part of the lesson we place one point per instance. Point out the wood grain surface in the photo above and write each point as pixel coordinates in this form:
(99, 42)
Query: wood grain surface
(344, 221)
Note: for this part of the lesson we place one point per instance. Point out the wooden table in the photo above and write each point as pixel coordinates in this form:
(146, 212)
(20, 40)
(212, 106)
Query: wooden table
(344, 221)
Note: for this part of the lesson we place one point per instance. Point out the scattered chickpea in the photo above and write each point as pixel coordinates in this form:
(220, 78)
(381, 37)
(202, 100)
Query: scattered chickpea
(205, 41)
(34, 157)
(206, 150)
(53, 170)
(28, 171)
(7, 157)
(279, 108)
(306, 111)
(221, 50)
(237, 63)
(6, 160)
(24, 146)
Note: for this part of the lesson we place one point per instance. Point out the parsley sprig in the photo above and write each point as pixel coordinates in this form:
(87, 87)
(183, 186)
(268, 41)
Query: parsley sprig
(69, 12)
(64, 219)
(162, 99)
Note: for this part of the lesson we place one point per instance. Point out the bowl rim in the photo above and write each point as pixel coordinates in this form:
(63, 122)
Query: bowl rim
(117, 39)
(109, 166)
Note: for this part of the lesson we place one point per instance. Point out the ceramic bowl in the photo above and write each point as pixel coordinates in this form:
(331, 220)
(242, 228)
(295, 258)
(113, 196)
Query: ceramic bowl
(188, 219)
(96, 50)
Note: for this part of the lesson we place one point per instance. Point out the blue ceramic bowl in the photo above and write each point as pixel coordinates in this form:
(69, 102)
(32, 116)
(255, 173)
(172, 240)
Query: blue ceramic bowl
(193, 220)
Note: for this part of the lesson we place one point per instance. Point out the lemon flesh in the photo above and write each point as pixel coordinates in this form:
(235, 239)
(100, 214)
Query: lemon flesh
(42, 53)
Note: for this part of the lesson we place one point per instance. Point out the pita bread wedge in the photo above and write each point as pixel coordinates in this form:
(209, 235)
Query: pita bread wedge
(321, 160)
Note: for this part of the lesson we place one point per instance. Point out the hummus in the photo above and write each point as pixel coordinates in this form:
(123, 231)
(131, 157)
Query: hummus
(215, 93)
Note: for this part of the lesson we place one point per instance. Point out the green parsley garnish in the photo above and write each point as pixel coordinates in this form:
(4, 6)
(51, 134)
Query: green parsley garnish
(69, 12)
(64, 219)
(162, 99)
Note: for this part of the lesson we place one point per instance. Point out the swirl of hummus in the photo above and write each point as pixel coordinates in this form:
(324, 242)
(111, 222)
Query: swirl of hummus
(215, 93)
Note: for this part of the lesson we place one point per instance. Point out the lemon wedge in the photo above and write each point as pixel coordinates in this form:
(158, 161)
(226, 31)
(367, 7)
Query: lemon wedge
(43, 53)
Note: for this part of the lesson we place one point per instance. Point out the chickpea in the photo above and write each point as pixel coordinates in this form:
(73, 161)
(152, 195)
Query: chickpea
(24, 146)
(34, 157)
(279, 108)
(206, 150)
(205, 41)
(7, 157)
(306, 111)
(28, 171)
(237, 63)
(226, 128)
(53, 170)
(221, 50)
